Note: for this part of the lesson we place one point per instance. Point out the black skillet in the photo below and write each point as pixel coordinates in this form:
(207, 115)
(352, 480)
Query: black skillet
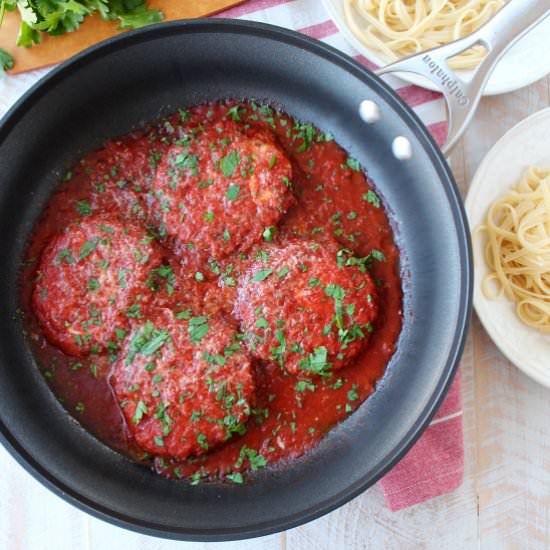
(132, 79)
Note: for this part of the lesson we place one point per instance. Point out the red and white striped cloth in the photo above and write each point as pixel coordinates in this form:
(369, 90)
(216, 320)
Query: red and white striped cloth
(435, 464)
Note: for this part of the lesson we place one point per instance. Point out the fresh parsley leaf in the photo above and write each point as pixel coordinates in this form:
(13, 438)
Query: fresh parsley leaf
(93, 284)
(233, 112)
(87, 248)
(156, 342)
(269, 233)
(303, 385)
(66, 255)
(317, 362)
(352, 394)
(146, 342)
(236, 478)
(6, 60)
(57, 17)
(141, 409)
(372, 198)
(229, 163)
(233, 191)
(283, 272)
(255, 459)
(198, 328)
(83, 207)
(183, 315)
(353, 164)
(262, 275)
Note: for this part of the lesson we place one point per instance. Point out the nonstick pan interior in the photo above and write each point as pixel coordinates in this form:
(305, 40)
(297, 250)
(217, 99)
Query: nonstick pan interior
(130, 80)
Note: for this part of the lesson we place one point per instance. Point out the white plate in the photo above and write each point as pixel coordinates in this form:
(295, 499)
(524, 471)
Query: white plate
(526, 62)
(525, 145)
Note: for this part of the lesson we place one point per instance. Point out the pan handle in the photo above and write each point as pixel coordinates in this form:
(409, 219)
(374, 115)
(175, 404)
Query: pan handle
(497, 35)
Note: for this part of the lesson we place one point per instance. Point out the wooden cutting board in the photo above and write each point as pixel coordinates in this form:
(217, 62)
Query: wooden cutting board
(94, 29)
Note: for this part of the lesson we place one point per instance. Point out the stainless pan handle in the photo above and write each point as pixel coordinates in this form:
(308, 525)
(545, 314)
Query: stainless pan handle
(502, 31)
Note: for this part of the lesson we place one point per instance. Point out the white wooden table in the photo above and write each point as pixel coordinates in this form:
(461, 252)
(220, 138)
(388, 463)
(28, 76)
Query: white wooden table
(503, 503)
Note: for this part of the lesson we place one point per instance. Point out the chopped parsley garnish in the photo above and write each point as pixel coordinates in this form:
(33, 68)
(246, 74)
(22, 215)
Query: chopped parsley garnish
(233, 191)
(64, 255)
(83, 208)
(87, 248)
(262, 323)
(269, 233)
(229, 281)
(351, 215)
(352, 394)
(283, 272)
(184, 115)
(213, 359)
(93, 284)
(262, 275)
(202, 185)
(353, 164)
(372, 198)
(305, 132)
(162, 414)
(229, 163)
(155, 343)
(134, 311)
(187, 161)
(79, 407)
(233, 112)
(317, 362)
(198, 328)
(377, 255)
(201, 440)
(236, 478)
(262, 255)
(164, 272)
(255, 459)
(141, 409)
(146, 342)
(303, 385)
(337, 293)
(122, 278)
(345, 257)
(199, 276)
(183, 315)
(208, 216)
(195, 479)
(278, 352)
(195, 415)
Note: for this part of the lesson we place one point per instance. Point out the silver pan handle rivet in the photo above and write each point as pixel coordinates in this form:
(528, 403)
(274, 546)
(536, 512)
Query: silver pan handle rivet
(401, 148)
(369, 111)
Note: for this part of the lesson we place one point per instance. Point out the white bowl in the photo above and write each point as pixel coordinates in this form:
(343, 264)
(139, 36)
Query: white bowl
(525, 145)
(526, 62)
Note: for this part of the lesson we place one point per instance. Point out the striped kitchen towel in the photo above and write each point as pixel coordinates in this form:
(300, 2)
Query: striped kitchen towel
(435, 464)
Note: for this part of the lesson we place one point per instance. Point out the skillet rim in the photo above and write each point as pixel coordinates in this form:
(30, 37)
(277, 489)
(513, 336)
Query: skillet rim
(459, 219)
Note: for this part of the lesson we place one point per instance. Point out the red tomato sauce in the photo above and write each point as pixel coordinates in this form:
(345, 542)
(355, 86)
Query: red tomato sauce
(331, 204)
